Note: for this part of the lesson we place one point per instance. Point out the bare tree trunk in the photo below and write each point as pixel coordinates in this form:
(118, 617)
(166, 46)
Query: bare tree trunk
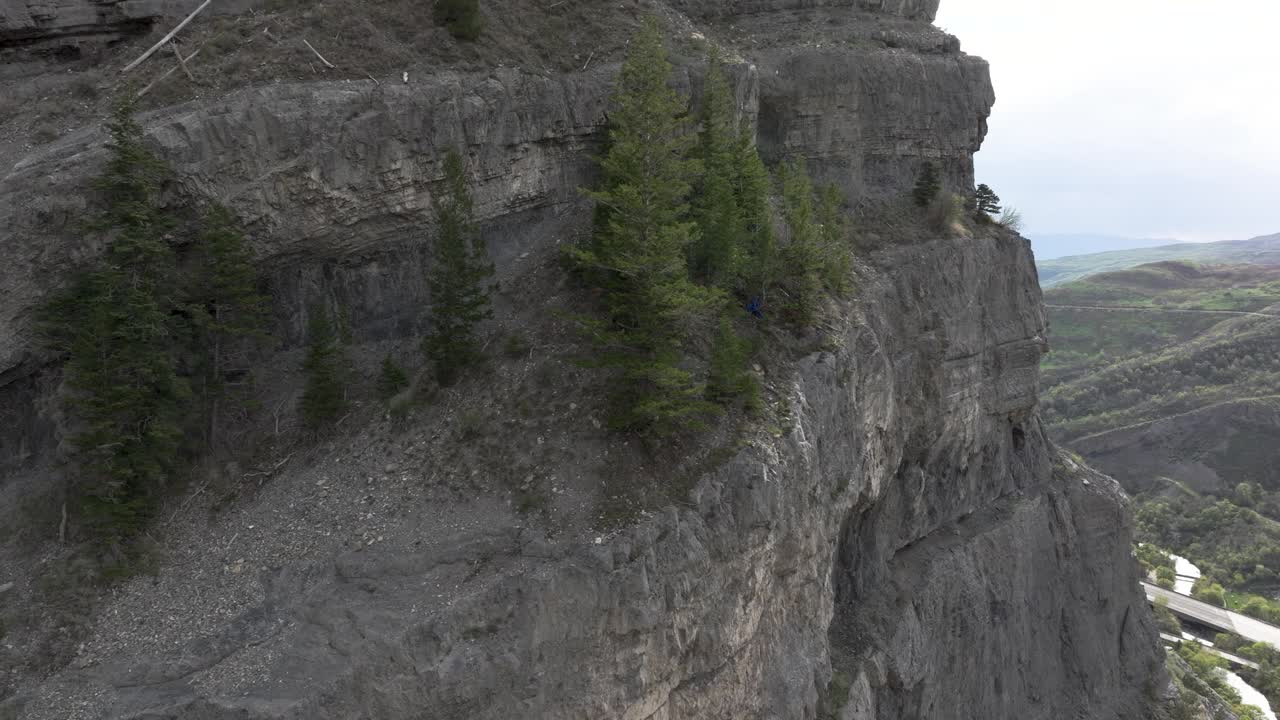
(217, 374)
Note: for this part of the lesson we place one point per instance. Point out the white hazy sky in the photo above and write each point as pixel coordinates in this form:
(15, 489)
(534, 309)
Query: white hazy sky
(1140, 118)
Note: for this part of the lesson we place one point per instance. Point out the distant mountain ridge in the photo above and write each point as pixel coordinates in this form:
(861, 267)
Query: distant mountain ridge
(1169, 355)
(1264, 250)
(1051, 246)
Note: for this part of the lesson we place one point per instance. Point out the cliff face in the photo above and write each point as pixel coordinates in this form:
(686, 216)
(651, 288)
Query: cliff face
(908, 546)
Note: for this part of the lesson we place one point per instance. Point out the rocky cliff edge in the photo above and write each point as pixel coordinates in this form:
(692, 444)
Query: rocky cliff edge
(900, 541)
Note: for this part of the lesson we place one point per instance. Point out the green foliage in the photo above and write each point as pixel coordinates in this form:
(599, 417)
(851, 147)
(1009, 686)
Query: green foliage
(460, 266)
(1267, 677)
(639, 250)
(714, 253)
(729, 378)
(1207, 668)
(391, 379)
(1152, 557)
(818, 254)
(986, 201)
(683, 220)
(1209, 592)
(324, 398)
(833, 238)
(1261, 608)
(803, 257)
(1165, 619)
(1234, 544)
(116, 326)
(734, 248)
(229, 315)
(928, 185)
(1166, 578)
(1109, 369)
(759, 252)
(461, 17)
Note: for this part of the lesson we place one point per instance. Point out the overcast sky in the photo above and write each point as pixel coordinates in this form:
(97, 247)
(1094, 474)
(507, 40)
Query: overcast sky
(1141, 118)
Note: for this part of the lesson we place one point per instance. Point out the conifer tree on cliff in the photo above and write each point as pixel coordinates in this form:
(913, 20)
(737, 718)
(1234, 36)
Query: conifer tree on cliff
(640, 249)
(928, 185)
(757, 246)
(459, 268)
(324, 398)
(988, 203)
(230, 316)
(803, 256)
(116, 325)
(716, 255)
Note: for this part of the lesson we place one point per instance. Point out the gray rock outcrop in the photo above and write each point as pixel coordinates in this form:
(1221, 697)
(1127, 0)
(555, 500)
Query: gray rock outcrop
(45, 25)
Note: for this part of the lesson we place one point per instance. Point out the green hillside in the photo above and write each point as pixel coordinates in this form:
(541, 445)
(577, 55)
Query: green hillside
(1167, 377)
(1152, 307)
(1263, 250)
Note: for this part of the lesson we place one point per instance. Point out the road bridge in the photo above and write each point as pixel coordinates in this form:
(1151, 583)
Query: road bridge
(1214, 617)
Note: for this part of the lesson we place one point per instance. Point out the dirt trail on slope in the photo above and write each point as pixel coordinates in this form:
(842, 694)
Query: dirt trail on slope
(1144, 423)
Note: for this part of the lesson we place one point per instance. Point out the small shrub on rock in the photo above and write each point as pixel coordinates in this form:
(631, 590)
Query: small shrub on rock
(461, 17)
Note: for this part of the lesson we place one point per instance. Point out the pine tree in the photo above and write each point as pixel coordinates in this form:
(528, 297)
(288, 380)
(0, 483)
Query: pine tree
(459, 297)
(715, 253)
(803, 256)
(116, 327)
(324, 397)
(640, 252)
(988, 203)
(391, 379)
(728, 377)
(758, 248)
(230, 315)
(833, 235)
(928, 185)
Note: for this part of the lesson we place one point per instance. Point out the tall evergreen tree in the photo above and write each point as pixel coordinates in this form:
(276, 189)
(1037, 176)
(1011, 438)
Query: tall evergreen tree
(928, 185)
(758, 249)
(803, 254)
(324, 397)
(460, 266)
(230, 315)
(116, 325)
(715, 252)
(728, 377)
(640, 249)
(391, 379)
(833, 235)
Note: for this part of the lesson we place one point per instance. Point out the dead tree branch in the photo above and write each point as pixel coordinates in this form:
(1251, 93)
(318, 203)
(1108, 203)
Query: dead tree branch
(166, 38)
(328, 64)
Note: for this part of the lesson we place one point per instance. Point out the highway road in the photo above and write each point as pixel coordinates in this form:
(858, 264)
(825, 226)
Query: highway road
(1216, 617)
